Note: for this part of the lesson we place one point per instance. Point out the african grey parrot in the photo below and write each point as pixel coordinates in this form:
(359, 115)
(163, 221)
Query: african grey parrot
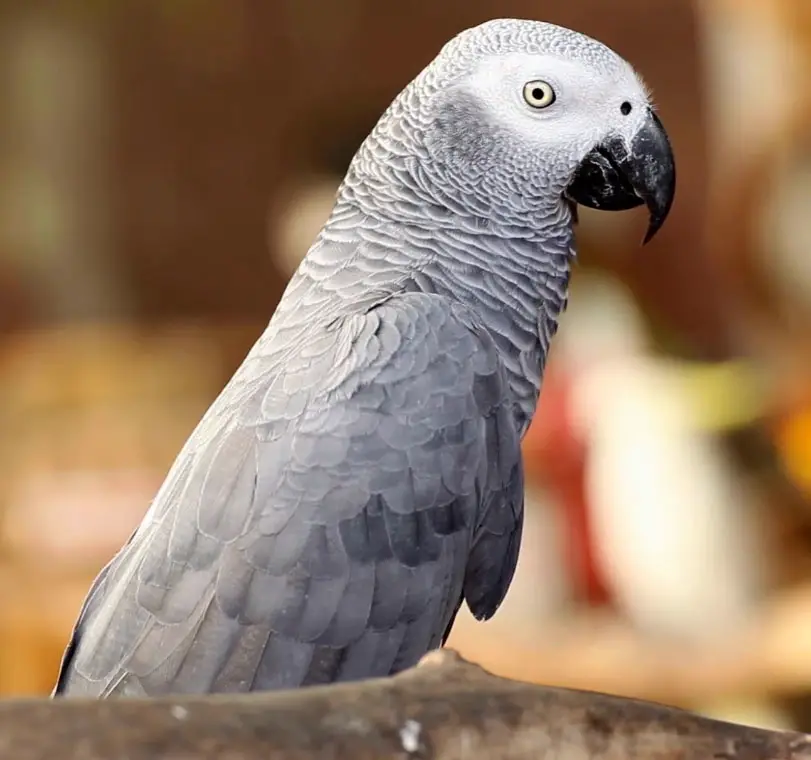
(360, 475)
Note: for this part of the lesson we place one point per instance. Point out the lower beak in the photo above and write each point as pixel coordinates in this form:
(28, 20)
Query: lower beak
(616, 176)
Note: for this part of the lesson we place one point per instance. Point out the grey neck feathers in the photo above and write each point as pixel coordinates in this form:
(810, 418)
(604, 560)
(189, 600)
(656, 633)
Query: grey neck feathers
(397, 226)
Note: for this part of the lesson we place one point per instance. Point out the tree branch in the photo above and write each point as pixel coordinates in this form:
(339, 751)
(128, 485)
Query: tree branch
(444, 709)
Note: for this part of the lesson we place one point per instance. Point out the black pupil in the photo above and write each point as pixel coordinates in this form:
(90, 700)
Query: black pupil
(538, 93)
(625, 108)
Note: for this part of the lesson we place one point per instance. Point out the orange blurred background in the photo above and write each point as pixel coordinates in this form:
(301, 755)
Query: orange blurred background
(164, 166)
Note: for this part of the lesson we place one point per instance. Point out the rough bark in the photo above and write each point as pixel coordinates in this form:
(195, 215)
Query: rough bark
(444, 709)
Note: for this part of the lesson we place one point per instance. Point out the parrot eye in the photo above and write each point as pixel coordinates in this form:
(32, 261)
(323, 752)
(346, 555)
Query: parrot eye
(539, 94)
(625, 108)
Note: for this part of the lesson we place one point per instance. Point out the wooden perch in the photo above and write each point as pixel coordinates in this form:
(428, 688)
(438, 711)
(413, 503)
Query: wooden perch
(444, 709)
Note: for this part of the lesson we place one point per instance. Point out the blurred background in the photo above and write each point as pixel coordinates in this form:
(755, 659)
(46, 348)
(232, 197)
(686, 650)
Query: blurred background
(164, 164)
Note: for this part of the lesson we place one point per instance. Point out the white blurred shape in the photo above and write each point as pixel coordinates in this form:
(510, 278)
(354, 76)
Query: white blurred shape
(671, 522)
(306, 205)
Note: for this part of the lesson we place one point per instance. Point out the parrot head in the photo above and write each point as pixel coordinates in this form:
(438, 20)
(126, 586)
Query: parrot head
(513, 113)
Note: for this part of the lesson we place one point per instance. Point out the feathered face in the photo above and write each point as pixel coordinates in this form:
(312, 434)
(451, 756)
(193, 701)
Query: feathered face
(521, 111)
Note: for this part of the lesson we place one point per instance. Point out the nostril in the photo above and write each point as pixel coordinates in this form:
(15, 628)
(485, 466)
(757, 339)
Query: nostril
(625, 108)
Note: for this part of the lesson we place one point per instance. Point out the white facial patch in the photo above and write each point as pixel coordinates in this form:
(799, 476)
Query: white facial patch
(588, 101)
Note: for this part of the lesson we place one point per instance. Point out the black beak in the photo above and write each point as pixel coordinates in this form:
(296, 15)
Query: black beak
(616, 177)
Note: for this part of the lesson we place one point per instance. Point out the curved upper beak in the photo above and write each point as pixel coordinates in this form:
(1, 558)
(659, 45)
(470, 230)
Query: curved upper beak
(616, 176)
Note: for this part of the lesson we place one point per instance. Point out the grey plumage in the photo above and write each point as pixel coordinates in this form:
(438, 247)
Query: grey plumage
(361, 472)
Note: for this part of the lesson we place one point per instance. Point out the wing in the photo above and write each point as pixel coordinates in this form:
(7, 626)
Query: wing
(325, 518)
